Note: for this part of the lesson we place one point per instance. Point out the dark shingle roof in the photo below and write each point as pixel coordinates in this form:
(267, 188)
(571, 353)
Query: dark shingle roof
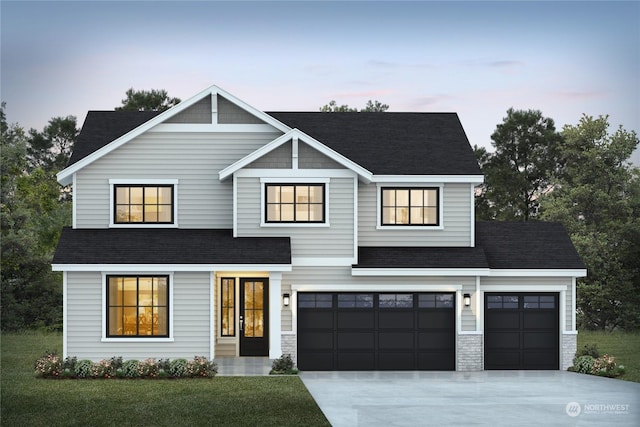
(392, 143)
(168, 246)
(383, 143)
(499, 245)
(422, 257)
(102, 127)
(530, 245)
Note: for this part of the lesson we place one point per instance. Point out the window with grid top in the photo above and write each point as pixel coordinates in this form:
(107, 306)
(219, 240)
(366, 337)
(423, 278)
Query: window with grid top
(143, 204)
(410, 206)
(295, 203)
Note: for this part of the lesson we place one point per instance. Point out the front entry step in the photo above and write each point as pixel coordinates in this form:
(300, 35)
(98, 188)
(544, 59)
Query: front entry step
(243, 366)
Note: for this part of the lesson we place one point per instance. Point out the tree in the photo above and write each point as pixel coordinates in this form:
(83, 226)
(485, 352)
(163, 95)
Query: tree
(51, 148)
(521, 168)
(371, 107)
(143, 100)
(597, 198)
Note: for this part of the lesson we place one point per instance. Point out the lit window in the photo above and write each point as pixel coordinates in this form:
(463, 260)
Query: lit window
(138, 306)
(410, 206)
(143, 204)
(295, 203)
(228, 309)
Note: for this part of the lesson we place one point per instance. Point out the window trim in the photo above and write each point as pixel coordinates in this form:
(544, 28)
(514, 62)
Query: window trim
(233, 311)
(293, 181)
(410, 186)
(142, 182)
(136, 338)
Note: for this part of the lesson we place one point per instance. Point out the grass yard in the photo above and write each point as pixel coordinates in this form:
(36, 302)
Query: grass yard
(625, 346)
(221, 401)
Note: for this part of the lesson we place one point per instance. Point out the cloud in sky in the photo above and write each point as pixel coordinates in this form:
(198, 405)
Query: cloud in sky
(476, 58)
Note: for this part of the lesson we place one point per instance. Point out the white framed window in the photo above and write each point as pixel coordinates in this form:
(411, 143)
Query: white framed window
(143, 203)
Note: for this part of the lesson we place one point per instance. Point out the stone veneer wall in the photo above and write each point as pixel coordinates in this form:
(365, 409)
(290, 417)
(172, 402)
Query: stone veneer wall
(569, 347)
(469, 352)
(289, 346)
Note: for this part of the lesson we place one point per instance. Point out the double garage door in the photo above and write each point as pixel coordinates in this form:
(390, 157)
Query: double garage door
(376, 331)
(416, 331)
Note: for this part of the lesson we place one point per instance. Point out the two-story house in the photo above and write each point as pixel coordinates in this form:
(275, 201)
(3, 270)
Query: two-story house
(347, 240)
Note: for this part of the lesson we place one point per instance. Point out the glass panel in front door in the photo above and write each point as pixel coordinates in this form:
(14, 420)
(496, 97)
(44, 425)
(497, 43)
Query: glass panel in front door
(254, 309)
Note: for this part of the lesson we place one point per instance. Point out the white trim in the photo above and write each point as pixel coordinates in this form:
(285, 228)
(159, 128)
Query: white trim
(275, 315)
(235, 205)
(212, 128)
(294, 152)
(322, 261)
(479, 307)
(470, 332)
(212, 310)
(574, 326)
(473, 216)
(542, 272)
(65, 315)
(377, 287)
(148, 268)
(355, 220)
(103, 333)
(563, 312)
(570, 333)
(459, 308)
(400, 228)
(532, 288)
(294, 173)
(427, 179)
(398, 272)
(214, 108)
(295, 133)
(149, 182)
(74, 204)
(296, 180)
(65, 175)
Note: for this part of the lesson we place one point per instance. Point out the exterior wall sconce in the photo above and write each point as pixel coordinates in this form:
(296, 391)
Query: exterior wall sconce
(467, 300)
(286, 300)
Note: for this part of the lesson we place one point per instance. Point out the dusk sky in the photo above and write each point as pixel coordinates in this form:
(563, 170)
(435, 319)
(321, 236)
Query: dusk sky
(474, 58)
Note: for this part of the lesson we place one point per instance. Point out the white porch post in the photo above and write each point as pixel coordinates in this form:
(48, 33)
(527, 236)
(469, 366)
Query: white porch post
(275, 309)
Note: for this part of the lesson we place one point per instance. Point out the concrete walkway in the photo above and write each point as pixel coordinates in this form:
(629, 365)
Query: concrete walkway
(496, 398)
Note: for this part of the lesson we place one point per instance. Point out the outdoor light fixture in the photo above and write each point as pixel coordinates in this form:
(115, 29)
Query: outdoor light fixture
(467, 300)
(285, 300)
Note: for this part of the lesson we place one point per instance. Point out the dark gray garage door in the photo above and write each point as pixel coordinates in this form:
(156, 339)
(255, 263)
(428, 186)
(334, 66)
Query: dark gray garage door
(521, 331)
(376, 331)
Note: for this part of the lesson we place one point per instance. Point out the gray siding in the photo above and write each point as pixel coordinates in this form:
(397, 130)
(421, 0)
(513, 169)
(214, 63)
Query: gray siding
(456, 220)
(469, 314)
(230, 113)
(306, 241)
(200, 112)
(286, 314)
(190, 320)
(193, 158)
(309, 158)
(280, 158)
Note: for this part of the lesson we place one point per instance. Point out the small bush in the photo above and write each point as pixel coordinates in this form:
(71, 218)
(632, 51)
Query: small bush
(201, 367)
(178, 368)
(83, 369)
(148, 368)
(49, 365)
(589, 350)
(605, 366)
(116, 362)
(103, 369)
(163, 365)
(130, 369)
(283, 365)
(583, 364)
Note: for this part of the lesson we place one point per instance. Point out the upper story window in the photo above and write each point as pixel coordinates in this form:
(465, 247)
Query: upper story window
(295, 203)
(143, 204)
(403, 206)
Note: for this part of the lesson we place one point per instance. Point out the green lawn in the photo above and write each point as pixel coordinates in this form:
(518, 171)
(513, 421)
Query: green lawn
(221, 401)
(625, 346)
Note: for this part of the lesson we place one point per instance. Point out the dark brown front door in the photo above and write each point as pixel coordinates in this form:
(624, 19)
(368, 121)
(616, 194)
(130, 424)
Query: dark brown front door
(254, 317)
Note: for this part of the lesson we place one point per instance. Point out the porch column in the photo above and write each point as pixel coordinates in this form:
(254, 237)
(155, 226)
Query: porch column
(275, 321)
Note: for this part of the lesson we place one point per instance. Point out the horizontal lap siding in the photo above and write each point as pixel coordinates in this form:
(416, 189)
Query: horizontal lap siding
(194, 159)
(456, 220)
(190, 320)
(333, 241)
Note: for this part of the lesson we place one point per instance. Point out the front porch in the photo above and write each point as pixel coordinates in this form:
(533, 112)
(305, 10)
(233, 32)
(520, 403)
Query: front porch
(243, 366)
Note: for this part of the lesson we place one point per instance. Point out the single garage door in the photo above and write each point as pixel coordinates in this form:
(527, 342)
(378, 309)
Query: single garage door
(376, 331)
(521, 331)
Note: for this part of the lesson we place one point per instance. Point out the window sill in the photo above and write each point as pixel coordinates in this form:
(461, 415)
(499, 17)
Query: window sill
(143, 225)
(410, 227)
(137, 339)
(296, 224)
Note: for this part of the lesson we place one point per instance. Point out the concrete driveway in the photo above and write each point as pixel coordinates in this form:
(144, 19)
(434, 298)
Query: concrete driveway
(496, 398)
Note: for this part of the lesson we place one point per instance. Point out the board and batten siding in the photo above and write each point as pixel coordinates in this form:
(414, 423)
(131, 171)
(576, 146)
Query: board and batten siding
(456, 220)
(537, 284)
(194, 159)
(306, 241)
(190, 320)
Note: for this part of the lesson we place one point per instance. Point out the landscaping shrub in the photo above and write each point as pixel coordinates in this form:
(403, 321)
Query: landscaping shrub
(201, 367)
(83, 369)
(49, 365)
(589, 350)
(606, 366)
(130, 369)
(283, 365)
(103, 369)
(178, 368)
(148, 368)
